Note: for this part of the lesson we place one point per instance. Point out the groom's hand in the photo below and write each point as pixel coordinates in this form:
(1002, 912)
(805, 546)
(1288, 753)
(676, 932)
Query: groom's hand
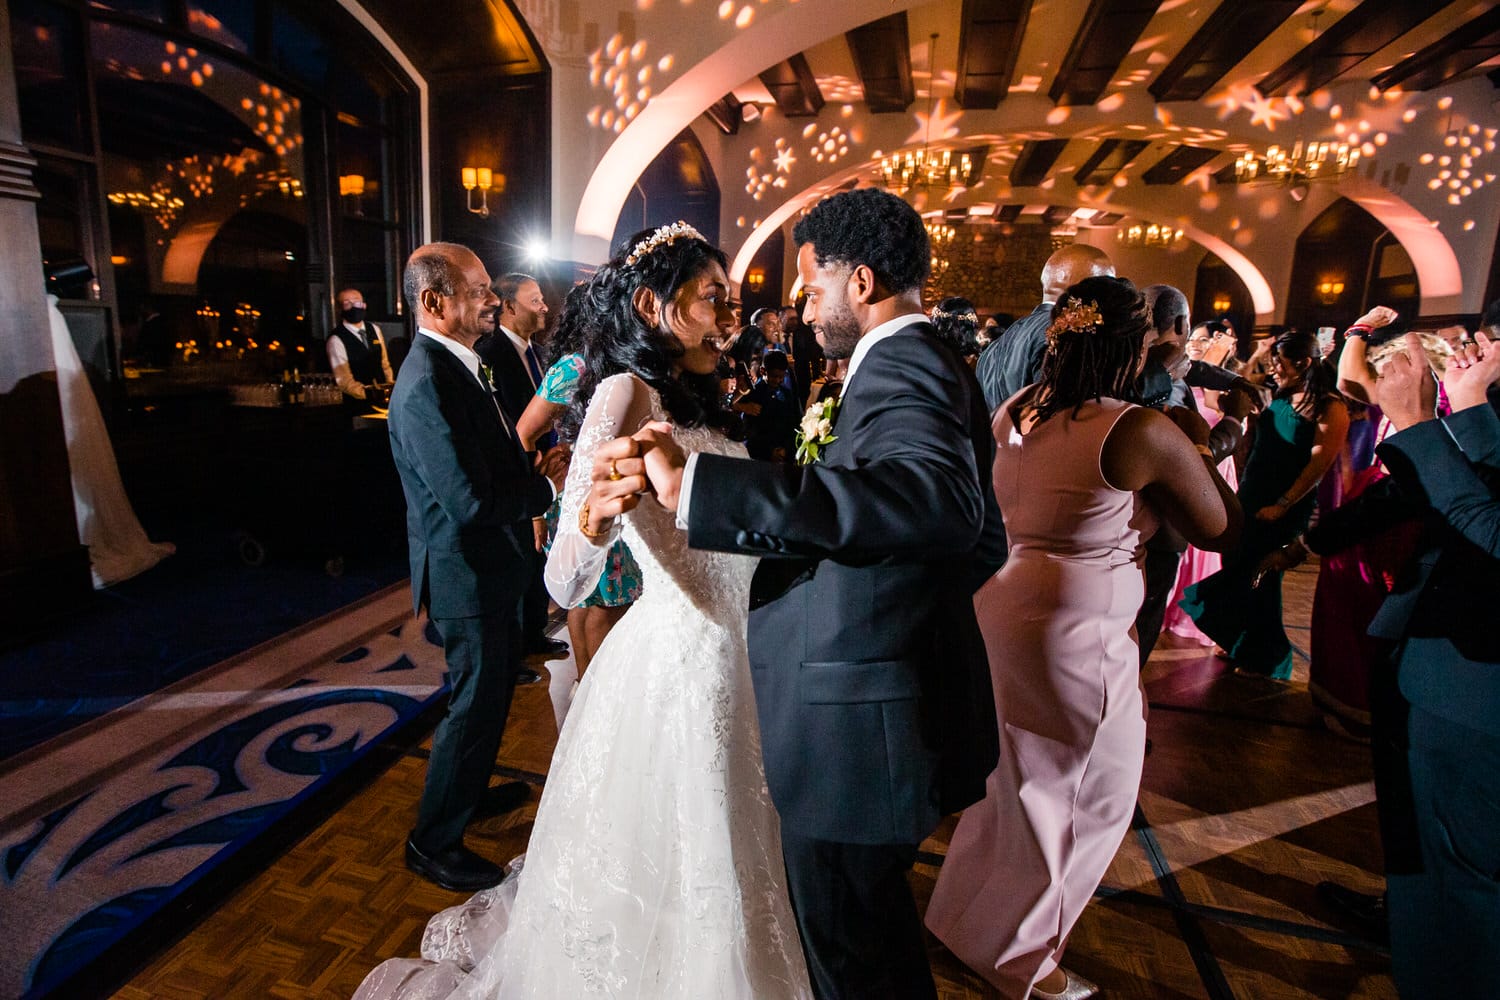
(664, 462)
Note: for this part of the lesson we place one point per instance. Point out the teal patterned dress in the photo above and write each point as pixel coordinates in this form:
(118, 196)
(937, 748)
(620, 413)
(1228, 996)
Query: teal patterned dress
(621, 582)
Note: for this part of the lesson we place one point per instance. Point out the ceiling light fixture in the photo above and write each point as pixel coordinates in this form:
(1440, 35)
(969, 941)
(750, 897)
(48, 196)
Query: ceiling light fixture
(1303, 161)
(925, 169)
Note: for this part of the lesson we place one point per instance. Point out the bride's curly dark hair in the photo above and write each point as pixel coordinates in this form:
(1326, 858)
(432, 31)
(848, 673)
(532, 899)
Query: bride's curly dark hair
(616, 338)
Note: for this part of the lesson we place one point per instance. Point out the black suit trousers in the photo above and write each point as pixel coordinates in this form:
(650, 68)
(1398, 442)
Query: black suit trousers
(859, 925)
(483, 656)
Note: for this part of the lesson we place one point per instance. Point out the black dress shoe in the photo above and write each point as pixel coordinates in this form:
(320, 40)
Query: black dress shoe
(547, 647)
(1366, 910)
(524, 677)
(502, 798)
(456, 868)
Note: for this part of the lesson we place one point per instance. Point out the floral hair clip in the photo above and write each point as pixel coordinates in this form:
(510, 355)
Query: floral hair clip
(1075, 317)
(664, 236)
(969, 316)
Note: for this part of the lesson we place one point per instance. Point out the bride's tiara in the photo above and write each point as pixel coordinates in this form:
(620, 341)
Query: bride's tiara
(967, 316)
(663, 236)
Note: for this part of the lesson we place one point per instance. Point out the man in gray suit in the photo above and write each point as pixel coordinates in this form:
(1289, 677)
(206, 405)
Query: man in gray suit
(471, 492)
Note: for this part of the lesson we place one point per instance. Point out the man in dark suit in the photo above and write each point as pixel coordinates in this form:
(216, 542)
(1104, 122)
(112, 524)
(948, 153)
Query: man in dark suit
(471, 492)
(1444, 900)
(512, 356)
(1014, 359)
(876, 711)
(807, 356)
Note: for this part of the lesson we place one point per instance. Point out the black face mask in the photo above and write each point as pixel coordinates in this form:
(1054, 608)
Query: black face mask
(354, 315)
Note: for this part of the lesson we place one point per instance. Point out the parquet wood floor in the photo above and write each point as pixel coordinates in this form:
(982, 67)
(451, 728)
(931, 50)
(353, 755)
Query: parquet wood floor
(1246, 804)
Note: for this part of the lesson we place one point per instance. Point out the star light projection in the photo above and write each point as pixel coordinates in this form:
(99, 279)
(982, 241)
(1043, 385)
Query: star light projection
(768, 171)
(627, 73)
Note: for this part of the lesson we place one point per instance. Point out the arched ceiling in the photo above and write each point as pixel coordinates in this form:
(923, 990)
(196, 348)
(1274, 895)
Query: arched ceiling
(1125, 109)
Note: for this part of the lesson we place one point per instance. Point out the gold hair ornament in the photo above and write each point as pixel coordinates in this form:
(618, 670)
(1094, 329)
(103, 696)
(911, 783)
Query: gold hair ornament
(967, 317)
(664, 236)
(1075, 317)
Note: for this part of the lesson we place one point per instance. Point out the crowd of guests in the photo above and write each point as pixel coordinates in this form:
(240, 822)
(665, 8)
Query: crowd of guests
(1154, 475)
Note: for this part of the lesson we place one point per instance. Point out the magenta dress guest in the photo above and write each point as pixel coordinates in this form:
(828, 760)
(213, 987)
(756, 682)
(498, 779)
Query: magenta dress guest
(1077, 473)
(1197, 563)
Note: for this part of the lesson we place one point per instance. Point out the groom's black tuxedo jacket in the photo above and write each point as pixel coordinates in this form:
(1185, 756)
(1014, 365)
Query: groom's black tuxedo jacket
(470, 490)
(876, 710)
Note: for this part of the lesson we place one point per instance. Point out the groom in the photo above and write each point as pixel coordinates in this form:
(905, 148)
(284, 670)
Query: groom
(876, 712)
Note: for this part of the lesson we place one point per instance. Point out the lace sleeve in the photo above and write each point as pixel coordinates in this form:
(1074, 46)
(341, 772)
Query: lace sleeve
(621, 404)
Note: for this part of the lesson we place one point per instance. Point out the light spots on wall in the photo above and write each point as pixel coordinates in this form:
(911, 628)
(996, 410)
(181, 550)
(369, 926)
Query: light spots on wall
(827, 145)
(625, 71)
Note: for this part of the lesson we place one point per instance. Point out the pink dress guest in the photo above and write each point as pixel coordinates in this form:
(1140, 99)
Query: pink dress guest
(1058, 626)
(1196, 563)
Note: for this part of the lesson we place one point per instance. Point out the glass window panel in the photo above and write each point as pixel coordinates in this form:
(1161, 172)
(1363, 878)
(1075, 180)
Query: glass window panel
(206, 160)
(362, 174)
(228, 22)
(299, 47)
(153, 9)
(46, 40)
(62, 220)
(356, 94)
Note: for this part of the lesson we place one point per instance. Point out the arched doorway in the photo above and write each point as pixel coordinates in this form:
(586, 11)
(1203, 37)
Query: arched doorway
(678, 185)
(1345, 262)
(1218, 293)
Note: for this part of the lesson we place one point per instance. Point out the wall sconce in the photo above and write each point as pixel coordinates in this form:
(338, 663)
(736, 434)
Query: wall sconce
(352, 187)
(1222, 303)
(1329, 291)
(484, 179)
(755, 279)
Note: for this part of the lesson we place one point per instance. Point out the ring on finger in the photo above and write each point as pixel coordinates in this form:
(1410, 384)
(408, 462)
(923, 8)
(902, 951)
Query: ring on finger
(614, 473)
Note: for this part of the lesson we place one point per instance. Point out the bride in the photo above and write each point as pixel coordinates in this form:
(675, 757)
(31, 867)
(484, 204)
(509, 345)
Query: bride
(655, 867)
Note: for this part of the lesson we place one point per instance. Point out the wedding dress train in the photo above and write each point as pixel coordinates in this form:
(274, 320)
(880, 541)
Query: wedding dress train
(654, 869)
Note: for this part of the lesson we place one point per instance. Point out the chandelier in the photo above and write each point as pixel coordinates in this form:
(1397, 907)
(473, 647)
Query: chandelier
(1304, 162)
(1151, 235)
(939, 234)
(925, 169)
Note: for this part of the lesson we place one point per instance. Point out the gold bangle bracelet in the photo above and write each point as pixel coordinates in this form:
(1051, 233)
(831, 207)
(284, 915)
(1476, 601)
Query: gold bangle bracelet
(583, 522)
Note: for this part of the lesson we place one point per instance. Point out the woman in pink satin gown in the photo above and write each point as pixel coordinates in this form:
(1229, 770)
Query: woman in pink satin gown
(1081, 477)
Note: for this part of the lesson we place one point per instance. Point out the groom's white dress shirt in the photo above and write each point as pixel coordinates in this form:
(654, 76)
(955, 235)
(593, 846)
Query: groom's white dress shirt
(866, 342)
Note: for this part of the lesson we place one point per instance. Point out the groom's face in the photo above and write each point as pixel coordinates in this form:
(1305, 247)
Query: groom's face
(827, 310)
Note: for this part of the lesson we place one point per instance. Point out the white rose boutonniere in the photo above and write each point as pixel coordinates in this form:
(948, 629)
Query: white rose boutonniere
(816, 431)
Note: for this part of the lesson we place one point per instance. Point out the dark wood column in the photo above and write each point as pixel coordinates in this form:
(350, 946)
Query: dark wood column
(43, 569)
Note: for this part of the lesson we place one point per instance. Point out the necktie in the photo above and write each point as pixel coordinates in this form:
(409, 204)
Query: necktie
(533, 367)
(489, 389)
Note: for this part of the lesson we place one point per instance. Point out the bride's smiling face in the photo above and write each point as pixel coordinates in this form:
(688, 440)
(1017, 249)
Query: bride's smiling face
(699, 316)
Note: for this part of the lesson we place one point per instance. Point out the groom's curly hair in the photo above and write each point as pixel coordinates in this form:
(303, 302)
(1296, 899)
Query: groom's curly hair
(871, 227)
(614, 338)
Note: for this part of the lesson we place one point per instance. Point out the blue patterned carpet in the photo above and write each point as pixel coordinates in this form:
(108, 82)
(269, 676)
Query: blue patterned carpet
(113, 823)
(194, 610)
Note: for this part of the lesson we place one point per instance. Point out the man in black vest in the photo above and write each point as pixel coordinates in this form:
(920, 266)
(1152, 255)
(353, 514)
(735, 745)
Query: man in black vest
(357, 354)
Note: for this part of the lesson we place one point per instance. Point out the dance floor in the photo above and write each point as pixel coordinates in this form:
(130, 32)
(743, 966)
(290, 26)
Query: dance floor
(1247, 803)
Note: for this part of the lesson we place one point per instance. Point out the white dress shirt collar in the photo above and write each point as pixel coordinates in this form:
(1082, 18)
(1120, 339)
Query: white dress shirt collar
(459, 351)
(875, 336)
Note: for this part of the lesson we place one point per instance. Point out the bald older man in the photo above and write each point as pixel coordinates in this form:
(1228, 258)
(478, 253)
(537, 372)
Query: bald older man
(471, 492)
(1013, 361)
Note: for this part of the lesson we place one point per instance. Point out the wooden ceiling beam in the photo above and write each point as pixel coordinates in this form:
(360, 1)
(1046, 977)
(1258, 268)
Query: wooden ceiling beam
(1034, 160)
(882, 58)
(1104, 39)
(1112, 156)
(1176, 165)
(1462, 49)
(794, 87)
(989, 41)
(1227, 36)
(1355, 37)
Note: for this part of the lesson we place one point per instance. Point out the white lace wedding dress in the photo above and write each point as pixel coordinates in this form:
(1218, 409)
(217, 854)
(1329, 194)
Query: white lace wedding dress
(654, 869)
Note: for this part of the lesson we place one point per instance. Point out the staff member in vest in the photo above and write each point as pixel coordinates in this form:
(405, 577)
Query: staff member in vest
(357, 354)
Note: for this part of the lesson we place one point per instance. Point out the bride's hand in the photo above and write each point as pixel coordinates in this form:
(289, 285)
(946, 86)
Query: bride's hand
(617, 480)
(664, 462)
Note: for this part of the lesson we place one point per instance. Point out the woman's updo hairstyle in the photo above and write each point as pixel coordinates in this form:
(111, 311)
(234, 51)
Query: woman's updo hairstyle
(618, 339)
(957, 325)
(1093, 345)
